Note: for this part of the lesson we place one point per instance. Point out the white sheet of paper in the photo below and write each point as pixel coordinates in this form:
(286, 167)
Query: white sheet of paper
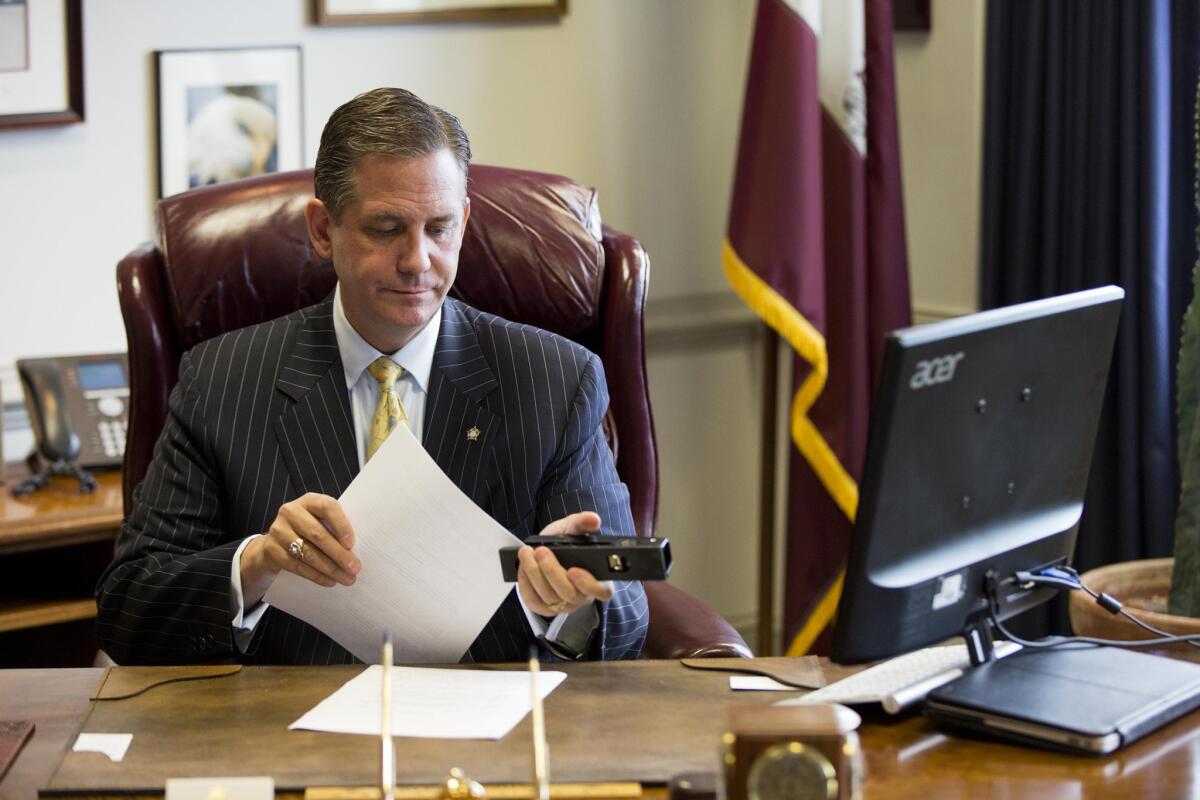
(231, 788)
(112, 745)
(758, 683)
(430, 570)
(431, 703)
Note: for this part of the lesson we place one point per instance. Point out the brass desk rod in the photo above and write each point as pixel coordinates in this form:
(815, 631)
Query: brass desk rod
(541, 774)
(387, 754)
(501, 791)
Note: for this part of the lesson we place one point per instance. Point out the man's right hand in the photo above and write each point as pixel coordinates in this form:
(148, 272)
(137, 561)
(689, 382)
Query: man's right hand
(318, 522)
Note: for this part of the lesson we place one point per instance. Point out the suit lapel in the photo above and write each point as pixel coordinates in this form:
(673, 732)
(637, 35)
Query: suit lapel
(315, 433)
(460, 432)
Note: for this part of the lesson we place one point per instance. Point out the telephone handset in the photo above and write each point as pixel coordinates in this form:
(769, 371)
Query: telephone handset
(79, 410)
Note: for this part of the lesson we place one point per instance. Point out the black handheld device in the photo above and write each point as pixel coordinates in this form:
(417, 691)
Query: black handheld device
(632, 558)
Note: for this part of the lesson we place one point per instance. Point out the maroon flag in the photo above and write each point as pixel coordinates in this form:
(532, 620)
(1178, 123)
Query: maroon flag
(816, 247)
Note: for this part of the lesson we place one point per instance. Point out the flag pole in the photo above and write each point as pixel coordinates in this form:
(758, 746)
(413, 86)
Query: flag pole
(766, 508)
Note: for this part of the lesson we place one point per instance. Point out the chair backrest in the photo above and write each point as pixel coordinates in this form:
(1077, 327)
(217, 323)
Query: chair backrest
(534, 251)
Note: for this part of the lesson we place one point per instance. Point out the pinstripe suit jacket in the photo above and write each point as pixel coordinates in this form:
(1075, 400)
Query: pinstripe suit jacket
(261, 415)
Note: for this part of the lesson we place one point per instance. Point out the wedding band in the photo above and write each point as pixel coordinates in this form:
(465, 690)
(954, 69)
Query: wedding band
(296, 548)
(558, 607)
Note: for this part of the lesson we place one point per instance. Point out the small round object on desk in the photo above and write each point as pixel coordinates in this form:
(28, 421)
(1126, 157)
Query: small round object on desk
(791, 771)
(798, 752)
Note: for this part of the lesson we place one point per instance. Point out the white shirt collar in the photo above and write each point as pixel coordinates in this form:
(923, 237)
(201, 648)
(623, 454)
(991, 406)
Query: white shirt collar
(416, 357)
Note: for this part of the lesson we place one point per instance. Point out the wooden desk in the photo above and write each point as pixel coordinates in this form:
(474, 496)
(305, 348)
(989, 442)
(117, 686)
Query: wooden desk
(57, 701)
(607, 720)
(53, 546)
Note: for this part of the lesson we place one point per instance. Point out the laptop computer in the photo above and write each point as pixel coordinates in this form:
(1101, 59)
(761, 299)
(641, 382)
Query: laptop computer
(1077, 698)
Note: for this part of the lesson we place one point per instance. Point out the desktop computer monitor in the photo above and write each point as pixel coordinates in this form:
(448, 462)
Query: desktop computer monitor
(977, 461)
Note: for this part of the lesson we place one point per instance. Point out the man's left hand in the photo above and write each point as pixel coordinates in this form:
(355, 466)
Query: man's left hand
(546, 588)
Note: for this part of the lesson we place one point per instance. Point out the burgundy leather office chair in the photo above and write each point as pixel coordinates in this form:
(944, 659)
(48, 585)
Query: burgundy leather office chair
(534, 251)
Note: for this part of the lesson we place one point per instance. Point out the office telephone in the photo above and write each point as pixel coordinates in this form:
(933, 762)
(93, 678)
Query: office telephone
(79, 409)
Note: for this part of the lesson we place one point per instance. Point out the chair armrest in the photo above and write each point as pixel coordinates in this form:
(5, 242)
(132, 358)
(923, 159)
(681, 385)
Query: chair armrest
(153, 357)
(683, 627)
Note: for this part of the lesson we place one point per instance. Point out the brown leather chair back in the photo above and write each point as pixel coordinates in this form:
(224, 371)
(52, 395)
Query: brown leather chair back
(534, 251)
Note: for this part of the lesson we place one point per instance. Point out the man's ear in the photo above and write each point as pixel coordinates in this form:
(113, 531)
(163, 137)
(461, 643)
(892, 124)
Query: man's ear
(318, 219)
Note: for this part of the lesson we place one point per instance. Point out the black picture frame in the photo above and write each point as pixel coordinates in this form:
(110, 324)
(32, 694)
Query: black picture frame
(45, 77)
(343, 12)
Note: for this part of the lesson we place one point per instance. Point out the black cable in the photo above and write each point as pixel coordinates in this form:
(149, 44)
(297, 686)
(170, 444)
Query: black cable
(233, 670)
(1114, 606)
(1066, 578)
(1091, 641)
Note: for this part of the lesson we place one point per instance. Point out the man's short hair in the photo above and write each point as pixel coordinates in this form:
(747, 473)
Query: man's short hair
(381, 122)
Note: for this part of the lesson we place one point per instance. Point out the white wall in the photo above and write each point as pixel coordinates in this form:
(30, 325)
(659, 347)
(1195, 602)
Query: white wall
(939, 89)
(640, 98)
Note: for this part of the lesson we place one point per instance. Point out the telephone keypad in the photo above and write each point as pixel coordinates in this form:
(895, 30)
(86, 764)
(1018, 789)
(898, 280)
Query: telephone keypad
(112, 436)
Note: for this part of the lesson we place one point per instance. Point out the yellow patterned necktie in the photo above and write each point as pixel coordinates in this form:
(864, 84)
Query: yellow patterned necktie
(389, 412)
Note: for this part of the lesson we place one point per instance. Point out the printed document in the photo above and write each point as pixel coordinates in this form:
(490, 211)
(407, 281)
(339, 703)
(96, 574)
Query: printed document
(430, 569)
(431, 703)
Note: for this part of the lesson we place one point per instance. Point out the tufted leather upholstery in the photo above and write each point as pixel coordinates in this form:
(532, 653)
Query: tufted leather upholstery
(534, 251)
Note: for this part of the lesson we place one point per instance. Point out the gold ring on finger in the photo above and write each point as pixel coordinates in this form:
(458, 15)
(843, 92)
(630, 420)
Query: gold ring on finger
(559, 607)
(296, 549)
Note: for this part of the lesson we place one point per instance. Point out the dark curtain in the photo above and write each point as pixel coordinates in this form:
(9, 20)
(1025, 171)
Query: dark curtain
(1089, 179)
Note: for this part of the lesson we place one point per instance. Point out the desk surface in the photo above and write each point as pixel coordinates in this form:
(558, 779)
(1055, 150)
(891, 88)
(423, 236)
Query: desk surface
(237, 725)
(58, 515)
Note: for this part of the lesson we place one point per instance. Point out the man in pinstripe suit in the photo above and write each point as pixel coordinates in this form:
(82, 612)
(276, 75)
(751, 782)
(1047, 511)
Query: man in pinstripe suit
(270, 423)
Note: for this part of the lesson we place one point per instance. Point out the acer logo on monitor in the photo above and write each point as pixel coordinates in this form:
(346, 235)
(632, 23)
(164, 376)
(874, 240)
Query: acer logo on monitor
(933, 371)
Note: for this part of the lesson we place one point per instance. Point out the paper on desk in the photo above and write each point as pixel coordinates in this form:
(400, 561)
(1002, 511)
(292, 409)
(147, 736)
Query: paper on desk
(431, 703)
(758, 683)
(430, 569)
(112, 745)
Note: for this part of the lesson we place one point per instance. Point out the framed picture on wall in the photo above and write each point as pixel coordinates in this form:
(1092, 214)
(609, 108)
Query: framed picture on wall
(227, 114)
(41, 62)
(369, 12)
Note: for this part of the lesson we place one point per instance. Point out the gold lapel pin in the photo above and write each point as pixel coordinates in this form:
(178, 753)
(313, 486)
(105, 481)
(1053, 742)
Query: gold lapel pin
(472, 434)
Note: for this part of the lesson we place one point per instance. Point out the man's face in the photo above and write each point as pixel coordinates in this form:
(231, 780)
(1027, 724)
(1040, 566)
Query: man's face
(395, 250)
